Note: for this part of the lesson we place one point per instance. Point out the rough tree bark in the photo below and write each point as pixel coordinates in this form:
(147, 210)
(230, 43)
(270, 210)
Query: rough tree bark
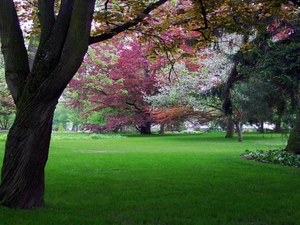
(64, 40)
(26, 155)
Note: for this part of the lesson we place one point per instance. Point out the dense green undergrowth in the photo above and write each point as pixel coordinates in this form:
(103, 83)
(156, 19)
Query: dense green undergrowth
(163, 179)
(278, 156)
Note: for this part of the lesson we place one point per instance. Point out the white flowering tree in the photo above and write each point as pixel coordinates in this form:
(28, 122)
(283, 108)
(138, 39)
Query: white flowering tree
(187, 82)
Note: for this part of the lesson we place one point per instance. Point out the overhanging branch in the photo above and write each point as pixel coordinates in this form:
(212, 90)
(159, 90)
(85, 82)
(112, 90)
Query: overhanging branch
(139, 18)
(205, 20)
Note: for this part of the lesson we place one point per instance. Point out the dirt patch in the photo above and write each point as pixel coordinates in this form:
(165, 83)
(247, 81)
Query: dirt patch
(246, 157)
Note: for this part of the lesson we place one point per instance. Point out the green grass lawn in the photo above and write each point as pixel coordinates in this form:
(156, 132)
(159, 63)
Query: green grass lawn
(168, 179)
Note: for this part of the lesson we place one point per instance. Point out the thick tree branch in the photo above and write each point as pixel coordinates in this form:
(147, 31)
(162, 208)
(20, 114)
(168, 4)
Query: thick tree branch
(51, 44)
(139, 18)
(74, 48)
(13, 48)
(46, 17)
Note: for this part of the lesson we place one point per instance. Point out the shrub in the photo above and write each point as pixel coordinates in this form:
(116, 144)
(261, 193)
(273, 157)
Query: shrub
(278, 156)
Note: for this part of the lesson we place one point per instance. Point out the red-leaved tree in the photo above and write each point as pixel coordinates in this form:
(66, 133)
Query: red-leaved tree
(116, 76)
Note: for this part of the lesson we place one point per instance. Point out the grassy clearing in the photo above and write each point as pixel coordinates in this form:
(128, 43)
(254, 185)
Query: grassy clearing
(170, 179)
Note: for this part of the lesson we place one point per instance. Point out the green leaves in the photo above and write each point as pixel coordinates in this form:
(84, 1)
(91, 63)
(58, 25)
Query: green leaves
(278, 156)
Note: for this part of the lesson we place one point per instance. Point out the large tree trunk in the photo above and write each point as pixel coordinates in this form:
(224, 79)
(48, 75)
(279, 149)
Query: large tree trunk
(36, 92)
(230, 128)
(146, 128)
(26, 155)
(293, 145)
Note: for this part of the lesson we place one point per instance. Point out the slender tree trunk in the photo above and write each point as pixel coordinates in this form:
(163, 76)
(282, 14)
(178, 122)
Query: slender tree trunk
(162, 128)
(26, 155)
(278, 126)
(280, 111)
(230, 128)
(261, 128)
(239, 131)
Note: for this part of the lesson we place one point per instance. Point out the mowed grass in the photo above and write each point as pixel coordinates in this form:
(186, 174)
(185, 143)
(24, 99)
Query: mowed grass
(164, 179)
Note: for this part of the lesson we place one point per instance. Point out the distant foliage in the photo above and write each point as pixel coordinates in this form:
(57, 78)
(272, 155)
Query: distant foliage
(7, 106)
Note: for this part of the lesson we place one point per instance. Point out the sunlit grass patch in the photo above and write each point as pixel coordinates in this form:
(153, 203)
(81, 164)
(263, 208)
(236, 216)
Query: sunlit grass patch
(3, 136)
